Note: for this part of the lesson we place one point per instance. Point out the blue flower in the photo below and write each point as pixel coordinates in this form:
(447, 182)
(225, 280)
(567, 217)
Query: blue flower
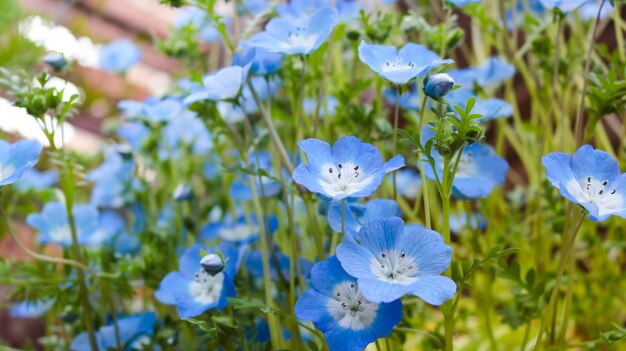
(32, 179)
(17, 158)
(399, 66)
(207, 30)
(253, 6)
(113, 180)
(563, 5)
(224, 84)
(240, 189)
(192, 290)
(185, 131)
(131, 329)
(357, 214)
(134, 134)
(237, 230)
(408, 182)
(110, 225)
(296, 36)
(478, 172)
(350, 169)
(494, 71)
(254, 265)
(589, 10)
(463, 3)
(390, 262)
(53, 225)
(30, 309)
(590, 178)
(490, 109)
(261, 61)
(300, 9)
(438, 85)
(459, 222)
(410, 100)
(338, 307)
(164, 110)
(328, 106)
(119, 55)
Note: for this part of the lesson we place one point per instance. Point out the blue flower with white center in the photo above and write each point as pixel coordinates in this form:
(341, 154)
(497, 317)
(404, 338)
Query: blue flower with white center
(349, 169)
(17, 158)
(463, 3)
(590, 178)
(408, 182)
(131, 330)
(119, 56)
(30, 309)
(192, 290)
(296, 36)
(478, 172)
(265, 187)
(357, 214)
(224, 84)
(254, 265)
(328, 106)
(494, 71)
(399, 66)
(237, 230)
(35, 180)
(113, 180)
(461, 221)
(53, 225)
(338, 307)
(207, 30)
(490, 109)
(410, 100)
(390, 262)
(261, 61)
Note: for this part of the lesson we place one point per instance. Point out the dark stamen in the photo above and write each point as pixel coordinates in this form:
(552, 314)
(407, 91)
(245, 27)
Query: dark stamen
(330, 170)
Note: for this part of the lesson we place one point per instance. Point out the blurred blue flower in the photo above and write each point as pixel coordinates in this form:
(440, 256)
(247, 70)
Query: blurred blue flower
(357, 214)
(187, 130)
(163, 110)
(207, 30)
(589, 10)
(490, 109)
(53, 225)
(113, 180)
(17, 158)
(119, 55)
(300, 9)
(590, 178)
(299, 36)
(192, 290)
(32, 179)
(237, 230)
(408, 182)
(110, 225)
(30, 309)
(462, 3)
(410, 100)
(131, 329)
(240, 189)
(350, 169)
(183, 192)
(461, 221)
(399, 66)
(253, 6)
(438, 85)
(492, 72)
(565, 6)
(328, 106)
(261, 61)
(134, 133)
(225, 84)
(338, 307)
(390, 262)
(254, 265)
(478, 172)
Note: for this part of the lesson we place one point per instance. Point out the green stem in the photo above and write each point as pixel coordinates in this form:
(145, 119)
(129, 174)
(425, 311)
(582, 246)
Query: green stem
(421, 165)
(396, 114)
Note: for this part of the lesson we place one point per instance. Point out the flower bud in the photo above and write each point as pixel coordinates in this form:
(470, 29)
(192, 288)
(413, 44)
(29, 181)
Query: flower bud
(212, 264)
(438, 85)
(182, 192)
(55, 60)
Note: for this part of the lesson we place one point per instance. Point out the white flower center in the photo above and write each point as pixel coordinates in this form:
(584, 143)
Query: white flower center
(467, 166)
(397, 65)
(298, 37)
(61, 234)
(6, 171)
(237, 232)
(598, 192)
(343, 178)
(394, 266)
(350, 308)
(205, 288)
